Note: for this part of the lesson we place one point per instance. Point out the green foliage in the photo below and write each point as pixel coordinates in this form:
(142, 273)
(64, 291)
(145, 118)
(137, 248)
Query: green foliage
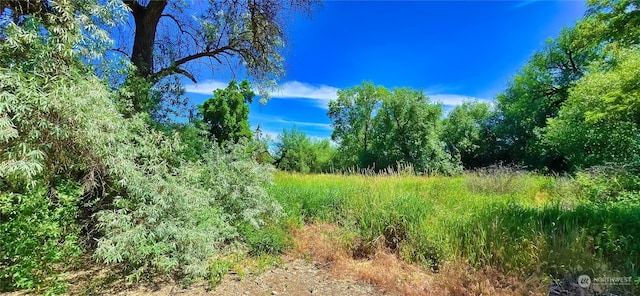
(526, 230)
(546, 117)
(75, 27)
(610, 183)
(193, 137)
(271, 239)
(467, 133)
(218, 268)
(54, 116)
(37, 231)
(352, 116)
(379, 129)
(406, 132)
(599, 123)
(151, 201)
(260, 147)
(227, 113)
(173, 218)
(607, 20)
(297, 152)
(536, 94)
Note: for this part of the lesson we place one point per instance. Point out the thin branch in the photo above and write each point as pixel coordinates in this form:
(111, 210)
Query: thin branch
(185, 73)
(179, 24)
(119, 50)
(175, 66)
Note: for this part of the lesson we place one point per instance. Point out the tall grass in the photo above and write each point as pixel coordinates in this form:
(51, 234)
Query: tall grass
(519, 223)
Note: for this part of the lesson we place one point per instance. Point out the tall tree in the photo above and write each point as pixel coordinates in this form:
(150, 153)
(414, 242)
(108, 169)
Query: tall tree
(466, 133)
(227, 113)
(352, 115)
(600, 121)
(406, 132)
(536, 94)
(611, 20)
(170, 36)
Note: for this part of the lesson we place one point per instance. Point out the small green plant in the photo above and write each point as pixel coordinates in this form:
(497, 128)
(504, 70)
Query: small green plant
(218, 269)
(271, 239)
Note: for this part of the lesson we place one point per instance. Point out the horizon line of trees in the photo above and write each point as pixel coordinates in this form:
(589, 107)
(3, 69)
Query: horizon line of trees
(574, 105)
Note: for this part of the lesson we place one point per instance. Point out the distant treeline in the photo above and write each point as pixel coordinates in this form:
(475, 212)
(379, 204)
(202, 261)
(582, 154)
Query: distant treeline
(574, 105)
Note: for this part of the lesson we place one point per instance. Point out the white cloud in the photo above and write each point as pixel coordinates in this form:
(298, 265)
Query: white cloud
(524, 3)
(455, 100)
(205, 87)
(277, 120)
(295, 89)
(321, 94)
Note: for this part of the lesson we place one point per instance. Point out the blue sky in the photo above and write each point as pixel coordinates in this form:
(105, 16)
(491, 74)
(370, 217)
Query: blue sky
(453, 50)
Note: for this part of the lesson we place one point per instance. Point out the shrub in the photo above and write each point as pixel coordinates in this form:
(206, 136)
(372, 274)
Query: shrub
(35, 234)
(612, 182)
(172, 218)
(270, 240)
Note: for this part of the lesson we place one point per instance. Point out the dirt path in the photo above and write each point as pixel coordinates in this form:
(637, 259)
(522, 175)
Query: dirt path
(297, 277)
(292, 277)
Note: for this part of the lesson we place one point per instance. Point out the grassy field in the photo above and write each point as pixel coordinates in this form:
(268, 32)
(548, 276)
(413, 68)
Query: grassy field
(521, 224)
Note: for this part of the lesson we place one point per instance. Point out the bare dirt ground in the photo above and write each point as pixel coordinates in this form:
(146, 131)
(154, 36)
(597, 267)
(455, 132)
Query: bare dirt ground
(292, 277)
(296, 277)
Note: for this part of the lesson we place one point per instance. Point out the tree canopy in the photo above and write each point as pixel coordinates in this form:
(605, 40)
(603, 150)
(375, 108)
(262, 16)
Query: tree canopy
(169, 37)
(227, 113)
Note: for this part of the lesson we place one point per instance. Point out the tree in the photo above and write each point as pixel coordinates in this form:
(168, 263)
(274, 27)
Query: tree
(297, 152)
(536, 94)
(466, 133)
(227, 113)
(406, 132)
(170, 36)
(611, 20)
(600, 122)
(352, 115)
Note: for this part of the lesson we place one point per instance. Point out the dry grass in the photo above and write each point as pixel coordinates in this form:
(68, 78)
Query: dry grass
(345, 256)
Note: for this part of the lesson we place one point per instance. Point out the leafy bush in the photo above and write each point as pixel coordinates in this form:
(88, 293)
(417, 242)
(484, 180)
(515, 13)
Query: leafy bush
(35, 234)
(171, 218)
(271, 240)
(53, 113)
(608, 183)
(153, 203)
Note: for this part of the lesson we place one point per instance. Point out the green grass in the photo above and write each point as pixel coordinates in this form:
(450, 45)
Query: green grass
(522, 224)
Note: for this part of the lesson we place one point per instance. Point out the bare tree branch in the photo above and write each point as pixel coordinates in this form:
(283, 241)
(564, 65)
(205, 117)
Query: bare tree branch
(175, 66)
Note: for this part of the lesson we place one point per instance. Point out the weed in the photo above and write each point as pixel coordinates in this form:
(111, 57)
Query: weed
(518, 224)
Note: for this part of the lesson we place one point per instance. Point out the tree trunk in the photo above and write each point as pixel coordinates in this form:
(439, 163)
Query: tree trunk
(146, 19)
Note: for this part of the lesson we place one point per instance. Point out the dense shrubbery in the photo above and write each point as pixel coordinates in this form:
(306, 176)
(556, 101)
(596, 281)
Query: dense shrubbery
(71, 165)
(295, 151)
(37, 232)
